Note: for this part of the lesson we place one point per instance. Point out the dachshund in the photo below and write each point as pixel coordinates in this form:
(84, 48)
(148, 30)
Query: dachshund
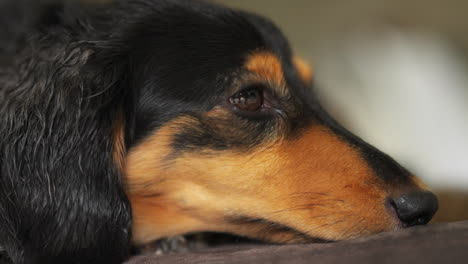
(125, 122)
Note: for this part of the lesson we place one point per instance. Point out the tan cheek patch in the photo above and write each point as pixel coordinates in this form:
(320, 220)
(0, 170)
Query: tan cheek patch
(145, 161)
(303, 68)
(153, 184)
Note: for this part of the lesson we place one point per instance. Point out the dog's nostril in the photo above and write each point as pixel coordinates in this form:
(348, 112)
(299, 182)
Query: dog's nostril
(416, 208)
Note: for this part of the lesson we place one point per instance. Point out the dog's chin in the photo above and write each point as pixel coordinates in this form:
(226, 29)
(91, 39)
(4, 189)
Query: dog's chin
(246, 232)
(207, 241)
(271, 232)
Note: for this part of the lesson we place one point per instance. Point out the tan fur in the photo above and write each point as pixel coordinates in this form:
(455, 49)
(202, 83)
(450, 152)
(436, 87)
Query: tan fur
(160, 215)
(313, 182)
(267, 66)
(119, 142)
(420, 184)
(303, 68)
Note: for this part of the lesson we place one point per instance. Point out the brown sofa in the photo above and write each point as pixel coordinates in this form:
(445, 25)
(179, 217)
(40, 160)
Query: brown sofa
(440, 243)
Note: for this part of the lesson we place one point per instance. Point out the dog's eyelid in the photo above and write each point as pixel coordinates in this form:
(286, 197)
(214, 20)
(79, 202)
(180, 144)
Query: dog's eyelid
(265, 108)
(268, 92)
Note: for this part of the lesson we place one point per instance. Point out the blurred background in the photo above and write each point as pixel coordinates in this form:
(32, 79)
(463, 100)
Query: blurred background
(395, 72)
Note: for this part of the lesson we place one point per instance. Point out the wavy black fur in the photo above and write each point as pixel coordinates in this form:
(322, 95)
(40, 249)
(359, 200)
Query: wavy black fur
(61, 195)
(66, 72)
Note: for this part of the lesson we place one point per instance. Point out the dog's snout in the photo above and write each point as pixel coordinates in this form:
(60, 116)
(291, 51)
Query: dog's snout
(415, 208)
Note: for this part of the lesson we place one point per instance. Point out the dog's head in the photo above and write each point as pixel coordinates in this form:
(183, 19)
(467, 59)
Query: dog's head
(187, 116)
(220, 131)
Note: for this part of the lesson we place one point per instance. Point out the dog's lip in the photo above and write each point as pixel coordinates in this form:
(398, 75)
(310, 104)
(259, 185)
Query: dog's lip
(273, 226)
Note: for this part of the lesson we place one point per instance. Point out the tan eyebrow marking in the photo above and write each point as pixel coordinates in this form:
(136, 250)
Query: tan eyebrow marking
(303, 68)
(266, 65)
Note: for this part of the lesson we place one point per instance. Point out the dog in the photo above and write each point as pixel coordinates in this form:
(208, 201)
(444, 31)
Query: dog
(131, 121)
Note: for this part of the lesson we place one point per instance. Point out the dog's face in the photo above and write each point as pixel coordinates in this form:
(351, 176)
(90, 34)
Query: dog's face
(226, 135)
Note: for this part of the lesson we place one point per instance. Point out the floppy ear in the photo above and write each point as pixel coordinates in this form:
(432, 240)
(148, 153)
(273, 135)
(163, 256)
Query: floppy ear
(62, 196)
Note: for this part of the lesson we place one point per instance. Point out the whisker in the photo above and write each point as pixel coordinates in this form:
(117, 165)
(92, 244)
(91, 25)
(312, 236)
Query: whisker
(327, 224)
(297, 207)
(312, 217)
(344, 233)
(307, 193)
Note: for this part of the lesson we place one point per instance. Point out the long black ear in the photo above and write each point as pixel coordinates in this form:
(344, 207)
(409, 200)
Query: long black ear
(62, 197)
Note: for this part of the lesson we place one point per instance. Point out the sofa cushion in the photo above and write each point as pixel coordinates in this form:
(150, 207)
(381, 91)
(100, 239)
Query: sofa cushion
(438, 243)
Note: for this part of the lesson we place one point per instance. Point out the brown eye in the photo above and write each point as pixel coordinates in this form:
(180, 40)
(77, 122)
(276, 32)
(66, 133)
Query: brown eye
(250, 99)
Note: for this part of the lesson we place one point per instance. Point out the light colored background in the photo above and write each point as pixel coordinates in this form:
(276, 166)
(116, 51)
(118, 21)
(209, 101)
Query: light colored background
(395, 73)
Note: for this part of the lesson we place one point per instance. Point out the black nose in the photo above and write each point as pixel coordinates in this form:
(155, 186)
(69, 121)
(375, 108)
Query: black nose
(416, 208)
